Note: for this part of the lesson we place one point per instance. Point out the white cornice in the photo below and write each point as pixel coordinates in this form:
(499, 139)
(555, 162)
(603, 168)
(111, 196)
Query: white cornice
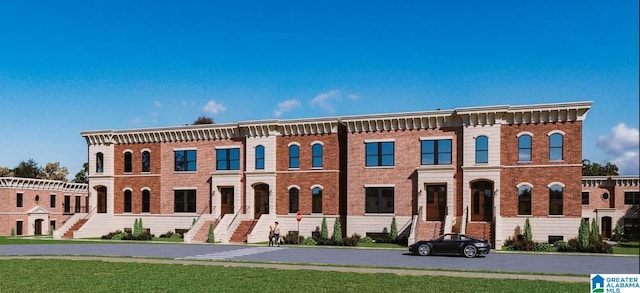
(399, 121)
(42, 184)
(618, 180)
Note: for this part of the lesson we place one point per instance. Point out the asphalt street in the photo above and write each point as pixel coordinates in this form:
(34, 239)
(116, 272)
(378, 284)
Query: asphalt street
(505, 262)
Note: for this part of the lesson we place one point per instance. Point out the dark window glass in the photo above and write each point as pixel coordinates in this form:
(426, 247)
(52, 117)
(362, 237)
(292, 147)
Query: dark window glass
(146, 161)
(631, 227)
(482, 149)
(585, 197)
(631, 197)
(99, 163)
(127, 162)
(316, 200)
(184, 201)
(146, 201)
(228, 159)
(555, 199)
(127, 201)
(52, 224)
(435, 152)
(19, 200)
(185, 160)
(78, 206)
(524, 148)
(554, 239)
(53, 201)
(260, 157)
(294, 195)
(18, 227)
(316, 156)
(379, 200)
(555, 147)
(294, 156)
(379, 154)
(524, 200)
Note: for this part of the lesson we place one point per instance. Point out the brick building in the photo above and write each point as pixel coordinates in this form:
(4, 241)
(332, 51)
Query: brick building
(480, 171)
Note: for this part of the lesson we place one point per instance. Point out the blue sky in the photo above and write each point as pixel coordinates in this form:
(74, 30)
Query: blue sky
(69, 66)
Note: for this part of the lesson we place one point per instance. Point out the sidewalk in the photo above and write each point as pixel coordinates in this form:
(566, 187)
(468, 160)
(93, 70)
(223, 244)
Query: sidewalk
(286, 266)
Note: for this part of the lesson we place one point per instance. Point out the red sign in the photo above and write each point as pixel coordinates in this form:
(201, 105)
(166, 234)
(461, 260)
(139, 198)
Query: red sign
(298, 217)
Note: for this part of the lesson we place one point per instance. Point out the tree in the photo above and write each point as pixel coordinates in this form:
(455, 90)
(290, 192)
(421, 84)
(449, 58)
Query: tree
(594, 237)
(5, 172)
(27, 169)
(527, 230)
(394, 229)
(203, 120)
(53, 171)
(83, 175)
(135, 232)
(583, 234)
(337, 231)
(324, 231)
(594, 169)
(210, 236)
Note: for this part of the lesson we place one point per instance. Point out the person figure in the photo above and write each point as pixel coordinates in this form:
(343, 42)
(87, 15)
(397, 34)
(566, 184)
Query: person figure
(276, 234)
(271, 234)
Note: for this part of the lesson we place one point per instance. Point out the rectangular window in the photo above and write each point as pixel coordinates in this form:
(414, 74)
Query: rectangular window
(127, 201)
(52, 224)
(435, 152)
(379, 200)
(146, 161)
(585, 197)
(18, 227)
(380, 154)
(184, 201)
(631, 228)
(19, 200)
(127, 162)
(185, 160)
(524, 148)
(316, 156)
(553, 239)
(294, 157)
(555, 200)
(78, 204)
(146, 201)
(631, 197)
(228, 159)
(260, 157)
(53, 201)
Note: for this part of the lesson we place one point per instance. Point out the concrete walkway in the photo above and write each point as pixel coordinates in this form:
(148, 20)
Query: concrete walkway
(285, 266)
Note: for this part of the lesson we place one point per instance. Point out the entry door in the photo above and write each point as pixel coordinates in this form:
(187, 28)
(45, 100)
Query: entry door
(67, 204)
(261, 192)
(38, 227)
(227, 200)
(78, 204)
(102, 199)
(606, 227)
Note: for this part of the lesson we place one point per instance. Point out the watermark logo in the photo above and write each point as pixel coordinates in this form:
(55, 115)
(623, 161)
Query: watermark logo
(615, 283)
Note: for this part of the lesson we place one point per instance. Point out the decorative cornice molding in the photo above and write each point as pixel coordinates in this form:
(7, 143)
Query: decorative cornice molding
(43, 184)
(607, 181)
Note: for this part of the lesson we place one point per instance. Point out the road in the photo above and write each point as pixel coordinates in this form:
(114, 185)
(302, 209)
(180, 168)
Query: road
(505, 262)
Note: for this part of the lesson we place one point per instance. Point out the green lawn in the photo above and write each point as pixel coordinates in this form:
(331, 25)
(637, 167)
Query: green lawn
(632, 248)
(96, 276)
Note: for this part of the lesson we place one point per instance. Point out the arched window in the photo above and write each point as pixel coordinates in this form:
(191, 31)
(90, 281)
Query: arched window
(127, 201)
(260, 157)
(146, 161)
(294, 194)
(294, 156)
(524, 148)
(555, 147)
(482, 149)
(555, 199)
(146, 201)
(127, 162)
(99, 163)
(316, 155)
(316, 200)
(524, 199)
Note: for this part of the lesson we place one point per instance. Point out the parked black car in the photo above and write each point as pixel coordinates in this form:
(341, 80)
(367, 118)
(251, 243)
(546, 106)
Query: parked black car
(451, 244)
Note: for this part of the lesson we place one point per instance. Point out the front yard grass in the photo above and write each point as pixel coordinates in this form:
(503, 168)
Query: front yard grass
(632, 248)
(96, 276)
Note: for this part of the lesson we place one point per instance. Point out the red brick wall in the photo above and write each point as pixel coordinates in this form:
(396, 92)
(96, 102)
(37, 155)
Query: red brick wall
(305, 176)
(136, 180)
(407, 159)
(540, 172)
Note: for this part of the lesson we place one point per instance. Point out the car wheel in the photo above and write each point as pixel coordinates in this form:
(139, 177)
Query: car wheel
(424, 249)
(470, 251)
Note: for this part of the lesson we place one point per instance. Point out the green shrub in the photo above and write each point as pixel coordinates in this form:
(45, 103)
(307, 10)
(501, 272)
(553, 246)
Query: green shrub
(583, 235)
(210, 236)
(324, 231)
(337, 231)
(527, 230)
(366, 240)
(394, 229)
(308, 241)
(175, 236)
(13, 232)
(617, 233)
(543, 246)
(169, 234)
(292, 237)
(594, 235)
(562, 246)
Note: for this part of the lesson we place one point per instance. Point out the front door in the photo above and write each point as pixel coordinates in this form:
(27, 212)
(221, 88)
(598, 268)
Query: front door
(261, 200)
(102, 199)
(67, 204)
(606, 227)
(38, 227)
(226, 205)
(78, 204)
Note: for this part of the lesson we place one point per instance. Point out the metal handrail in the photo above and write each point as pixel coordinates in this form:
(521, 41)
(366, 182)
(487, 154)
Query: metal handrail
(234, 218)
(199, 216)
